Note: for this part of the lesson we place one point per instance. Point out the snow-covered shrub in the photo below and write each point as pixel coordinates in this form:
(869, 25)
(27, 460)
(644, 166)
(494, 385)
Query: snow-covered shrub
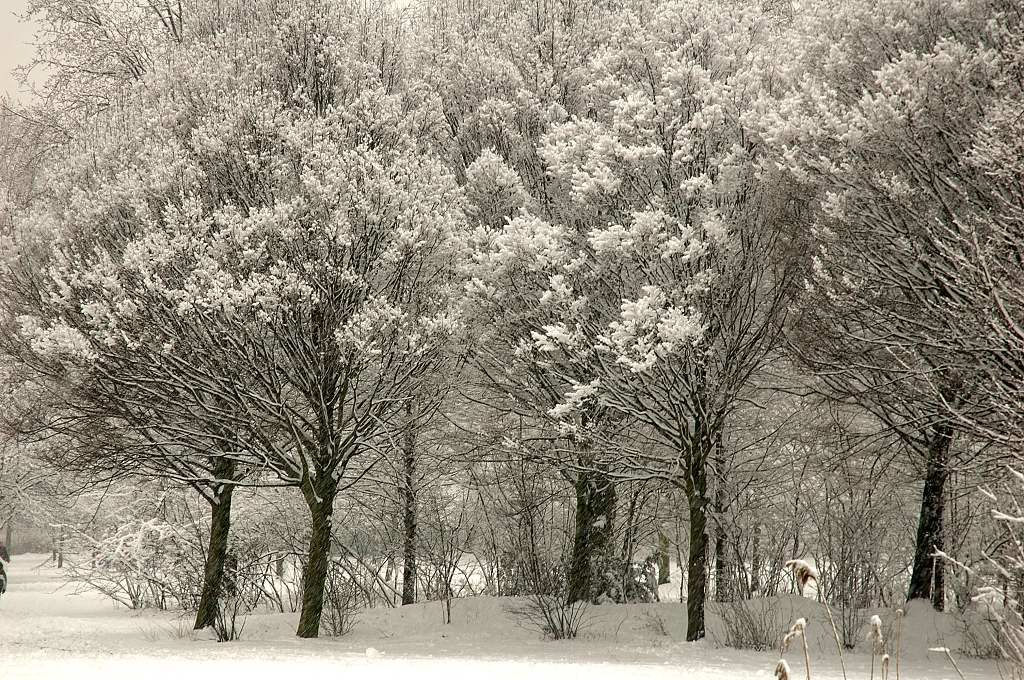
(138, 563)
(979, 636)
(857, 549)
(997, 607)
(750, 624)
(552, 615)
(547, 606)
(618, 580)
(229, 622)
(655, 624)
(517, 578)
(341, 602)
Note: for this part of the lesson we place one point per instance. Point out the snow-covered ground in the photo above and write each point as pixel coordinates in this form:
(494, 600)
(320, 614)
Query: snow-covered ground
(47, 630)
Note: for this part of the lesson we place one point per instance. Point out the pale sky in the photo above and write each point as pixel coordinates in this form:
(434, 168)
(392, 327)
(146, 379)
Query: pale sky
(15, 39)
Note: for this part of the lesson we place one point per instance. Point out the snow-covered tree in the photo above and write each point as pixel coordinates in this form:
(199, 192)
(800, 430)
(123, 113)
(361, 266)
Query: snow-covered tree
(504, 77)
(257, 248)
(881, 122)
(658, 285)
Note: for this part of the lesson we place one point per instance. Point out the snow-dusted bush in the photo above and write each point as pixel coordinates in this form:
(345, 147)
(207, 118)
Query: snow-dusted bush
(620, 580)
(341, 602)
(1000, 590)
(750, 624)
(138, 563)
(229, 621)
(552, 615)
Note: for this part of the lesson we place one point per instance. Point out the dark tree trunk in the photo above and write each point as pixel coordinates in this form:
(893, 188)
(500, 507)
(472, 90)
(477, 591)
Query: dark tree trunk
(927, 579)
(696, 487)
(664, 563)
(314, 576)
(696, 567)
(723, 582)
(409, 513)
(595, 519)
(213, 570)
(723, 590)
(629, 532)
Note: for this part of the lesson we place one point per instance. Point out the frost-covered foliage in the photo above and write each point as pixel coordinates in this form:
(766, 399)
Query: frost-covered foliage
(513, 298)
(620, 225)
(909, 147)
(886, 138)
(627, 283)
(134, 554)
(254, 255)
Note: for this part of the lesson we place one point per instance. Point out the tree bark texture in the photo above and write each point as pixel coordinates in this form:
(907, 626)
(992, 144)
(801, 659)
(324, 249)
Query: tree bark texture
(595, 519)
(927, 580)
(217, 550)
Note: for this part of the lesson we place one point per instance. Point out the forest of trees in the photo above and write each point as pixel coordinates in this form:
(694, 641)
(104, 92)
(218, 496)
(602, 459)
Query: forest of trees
(321, 301)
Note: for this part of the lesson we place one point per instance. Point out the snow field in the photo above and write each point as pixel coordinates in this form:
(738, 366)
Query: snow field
(48, 630)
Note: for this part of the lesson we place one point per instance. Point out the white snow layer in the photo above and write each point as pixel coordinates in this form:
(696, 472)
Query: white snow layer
(48, 630)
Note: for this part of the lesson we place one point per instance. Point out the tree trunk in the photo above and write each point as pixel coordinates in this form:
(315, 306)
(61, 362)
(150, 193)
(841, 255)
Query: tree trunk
(664, 563)
(595, 519)
(927, 579)
(696, 487)
(409, 512)
(213, 571)
(321, 509)
(409, 557)
(696, 567)
(723, 592)
(629, 531)
(9, 535)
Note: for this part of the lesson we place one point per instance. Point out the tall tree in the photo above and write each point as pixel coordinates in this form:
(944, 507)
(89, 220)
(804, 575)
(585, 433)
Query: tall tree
(256, 231)
(669, 264)
(882, 127)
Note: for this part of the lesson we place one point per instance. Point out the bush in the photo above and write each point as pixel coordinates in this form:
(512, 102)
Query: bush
(552, 615)
(230, 618)
(341, 602)
(751, 624)
(620, 581)
(139, 564)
